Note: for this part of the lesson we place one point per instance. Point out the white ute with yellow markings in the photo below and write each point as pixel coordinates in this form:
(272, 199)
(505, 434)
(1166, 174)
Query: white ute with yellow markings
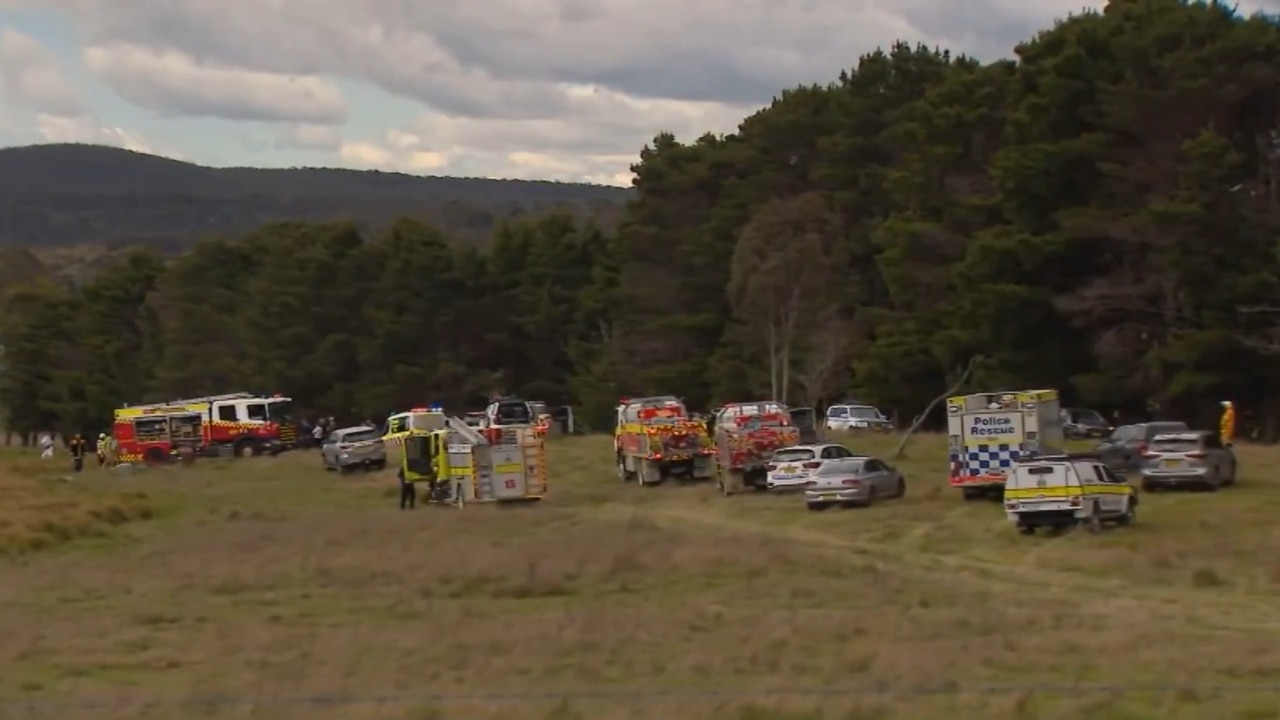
(1058, 491)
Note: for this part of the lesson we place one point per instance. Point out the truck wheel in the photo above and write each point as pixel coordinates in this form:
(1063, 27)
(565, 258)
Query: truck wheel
(155, 456)
(247, 448)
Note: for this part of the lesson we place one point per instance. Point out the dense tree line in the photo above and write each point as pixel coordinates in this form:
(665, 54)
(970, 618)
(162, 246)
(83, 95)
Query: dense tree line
(1098, 215)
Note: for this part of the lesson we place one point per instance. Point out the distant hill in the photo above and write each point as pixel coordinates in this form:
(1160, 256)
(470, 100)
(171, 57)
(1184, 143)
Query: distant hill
(70, 194)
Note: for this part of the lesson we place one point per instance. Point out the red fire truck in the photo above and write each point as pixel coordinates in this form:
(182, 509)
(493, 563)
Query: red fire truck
(241, 424)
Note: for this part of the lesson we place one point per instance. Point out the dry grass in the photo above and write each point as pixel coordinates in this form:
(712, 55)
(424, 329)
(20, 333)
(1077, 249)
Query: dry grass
(273, 581)
(43, 505)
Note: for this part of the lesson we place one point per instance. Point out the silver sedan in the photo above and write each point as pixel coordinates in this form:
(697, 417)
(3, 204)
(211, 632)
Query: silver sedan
(853, 482)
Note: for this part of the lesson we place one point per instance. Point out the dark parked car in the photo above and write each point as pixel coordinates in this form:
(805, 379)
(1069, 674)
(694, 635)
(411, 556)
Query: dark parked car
(1124, 449)
(1084, 424)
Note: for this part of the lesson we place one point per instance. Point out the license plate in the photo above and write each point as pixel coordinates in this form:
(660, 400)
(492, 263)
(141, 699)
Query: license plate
(788, 469)
(830, 496)
(1171, 463)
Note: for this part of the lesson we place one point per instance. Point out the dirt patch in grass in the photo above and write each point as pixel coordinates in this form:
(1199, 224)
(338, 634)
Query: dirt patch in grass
(277, 591)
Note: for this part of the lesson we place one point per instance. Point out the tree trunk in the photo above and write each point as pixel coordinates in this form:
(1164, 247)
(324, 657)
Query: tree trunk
(964, 377)
(792, 317)
(773, 359)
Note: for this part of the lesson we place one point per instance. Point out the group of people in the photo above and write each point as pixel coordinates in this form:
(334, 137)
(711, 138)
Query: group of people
(79, 448)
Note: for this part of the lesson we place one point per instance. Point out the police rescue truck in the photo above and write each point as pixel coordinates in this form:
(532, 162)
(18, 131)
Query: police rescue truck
(987, 433)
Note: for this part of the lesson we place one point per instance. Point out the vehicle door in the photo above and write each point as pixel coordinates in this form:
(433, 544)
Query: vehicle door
(837, 417)
(1081, 475)
(417, 458)
(562, 419)
(876, 474)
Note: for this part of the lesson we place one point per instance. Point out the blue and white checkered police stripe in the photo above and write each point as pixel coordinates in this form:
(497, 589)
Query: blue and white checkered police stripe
(984, 459)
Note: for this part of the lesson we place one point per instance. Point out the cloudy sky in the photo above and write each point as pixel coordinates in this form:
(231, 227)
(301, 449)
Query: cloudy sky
(556, 89)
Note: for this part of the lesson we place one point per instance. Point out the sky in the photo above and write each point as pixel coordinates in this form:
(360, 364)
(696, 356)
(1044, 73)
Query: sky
(534, 89)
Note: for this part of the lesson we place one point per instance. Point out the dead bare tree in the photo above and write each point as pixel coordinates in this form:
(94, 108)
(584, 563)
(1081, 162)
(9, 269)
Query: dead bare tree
(782, 271)
(826, 356)
(919, 419)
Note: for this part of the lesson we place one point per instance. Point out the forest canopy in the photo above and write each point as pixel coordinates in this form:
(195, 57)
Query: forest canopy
(1097, 215)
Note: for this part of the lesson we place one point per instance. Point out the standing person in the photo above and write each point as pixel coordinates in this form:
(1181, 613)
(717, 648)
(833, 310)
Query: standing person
(78, 448)
(317, 434)
(101, 449)
(408, 493)
(1227, 425)
(46, 446)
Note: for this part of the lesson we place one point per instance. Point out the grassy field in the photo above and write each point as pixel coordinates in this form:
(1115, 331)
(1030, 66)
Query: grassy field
(269, 589)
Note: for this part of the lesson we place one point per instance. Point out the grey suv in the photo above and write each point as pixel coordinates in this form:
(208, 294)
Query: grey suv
(354, 447)
(1188, 459)
(1123, 450)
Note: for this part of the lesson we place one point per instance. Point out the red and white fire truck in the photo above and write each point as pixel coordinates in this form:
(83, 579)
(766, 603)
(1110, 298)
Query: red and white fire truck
(241, 424)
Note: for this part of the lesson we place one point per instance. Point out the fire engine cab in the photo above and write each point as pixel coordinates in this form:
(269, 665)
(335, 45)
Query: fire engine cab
(241, 424)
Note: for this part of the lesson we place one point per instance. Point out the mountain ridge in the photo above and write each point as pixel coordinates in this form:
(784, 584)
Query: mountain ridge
(68, 194)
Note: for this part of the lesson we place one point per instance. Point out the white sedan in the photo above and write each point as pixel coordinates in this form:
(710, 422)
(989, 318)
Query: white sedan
(792, 467)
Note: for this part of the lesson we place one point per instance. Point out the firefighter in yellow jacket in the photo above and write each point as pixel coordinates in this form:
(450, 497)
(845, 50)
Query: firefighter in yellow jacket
(1227, 425)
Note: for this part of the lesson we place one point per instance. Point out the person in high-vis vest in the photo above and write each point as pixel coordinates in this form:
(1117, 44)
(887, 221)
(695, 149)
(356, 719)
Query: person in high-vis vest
(1227, 425)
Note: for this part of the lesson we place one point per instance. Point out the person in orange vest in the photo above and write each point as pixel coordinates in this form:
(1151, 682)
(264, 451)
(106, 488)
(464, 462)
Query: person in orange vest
(1227, 425)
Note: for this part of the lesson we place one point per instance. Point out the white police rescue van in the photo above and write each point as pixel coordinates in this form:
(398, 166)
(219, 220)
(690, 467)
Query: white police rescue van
(987, 433)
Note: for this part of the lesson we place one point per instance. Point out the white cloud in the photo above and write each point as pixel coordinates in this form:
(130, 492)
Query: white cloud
(83, 129)
(565, 89)
(30, 76)
(373, 156)
(306, 136)
(41, 105)
(170, 81)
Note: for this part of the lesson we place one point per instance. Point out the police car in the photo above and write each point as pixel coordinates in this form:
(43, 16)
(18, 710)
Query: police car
(791, 468)
(1058, 491)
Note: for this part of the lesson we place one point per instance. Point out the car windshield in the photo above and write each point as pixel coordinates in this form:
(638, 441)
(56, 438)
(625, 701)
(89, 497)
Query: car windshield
(1126, 432)
(1161, 428)
(841, 467)
(1175, 445)
(514, 413)
(280, 410)
(1089, 417)
(864, 413)
(793, 455)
